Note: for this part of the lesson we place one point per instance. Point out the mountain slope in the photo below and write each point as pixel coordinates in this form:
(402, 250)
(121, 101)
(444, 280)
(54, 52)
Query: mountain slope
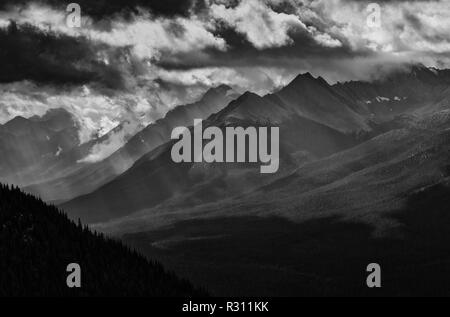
(84, 178)
(315, 119)
(308, 97)
(26, 142)
(37, 242)
(402, 90)
(39, 149)
(363, 183)
(384, 201)
(155, 178)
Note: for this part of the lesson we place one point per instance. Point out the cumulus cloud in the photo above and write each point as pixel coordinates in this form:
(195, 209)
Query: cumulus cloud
(264, 27)
(151, 37)
(407, 27)
(146, 34)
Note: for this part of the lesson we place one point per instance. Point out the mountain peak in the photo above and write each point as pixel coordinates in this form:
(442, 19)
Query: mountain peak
(248, 95)
(306, 81)
(16, 123)
(307, 78)
(215, 91)
(222, 87)
(306, 75)
(419, 69)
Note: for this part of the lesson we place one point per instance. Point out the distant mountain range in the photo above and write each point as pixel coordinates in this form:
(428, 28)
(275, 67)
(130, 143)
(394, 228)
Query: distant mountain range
(81, 178)
(41, 148)
(24, 142)
(315, 119)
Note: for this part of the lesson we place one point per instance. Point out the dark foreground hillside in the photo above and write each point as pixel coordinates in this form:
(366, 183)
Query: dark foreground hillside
(37, 242)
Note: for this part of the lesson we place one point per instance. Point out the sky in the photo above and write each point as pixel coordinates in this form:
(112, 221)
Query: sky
(133, 60)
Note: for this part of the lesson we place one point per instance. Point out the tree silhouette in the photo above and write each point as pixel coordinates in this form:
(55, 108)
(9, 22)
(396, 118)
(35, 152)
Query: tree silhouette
(38, 241)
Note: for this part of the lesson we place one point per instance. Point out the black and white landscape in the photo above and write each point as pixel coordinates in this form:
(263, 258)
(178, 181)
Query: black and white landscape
(360, 94)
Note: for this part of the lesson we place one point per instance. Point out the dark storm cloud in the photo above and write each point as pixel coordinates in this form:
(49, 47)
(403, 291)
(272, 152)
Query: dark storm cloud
(289, 35)
(241, 52)
(27, 53)
(99, 9)
(407, 37)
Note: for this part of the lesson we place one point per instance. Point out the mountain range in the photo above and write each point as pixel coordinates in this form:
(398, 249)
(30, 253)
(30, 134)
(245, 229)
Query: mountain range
(80, 177)
(316, 120)
(355, 158)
